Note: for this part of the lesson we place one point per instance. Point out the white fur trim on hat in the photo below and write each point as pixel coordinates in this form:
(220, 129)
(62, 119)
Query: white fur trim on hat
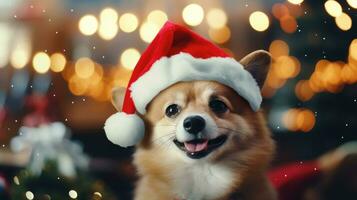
(124, 129)
(184, 67)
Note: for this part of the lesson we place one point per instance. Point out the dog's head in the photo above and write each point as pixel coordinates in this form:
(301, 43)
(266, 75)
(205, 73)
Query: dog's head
(206, 119)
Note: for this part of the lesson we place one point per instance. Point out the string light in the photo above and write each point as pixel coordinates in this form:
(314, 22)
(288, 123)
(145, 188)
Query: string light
(58, 62)
(344, 22)
(128, 22)
(88, 25)
(216, 18)
(259, 21)
(333, 8)
(129, 58)
(41, 62)
(193, 14)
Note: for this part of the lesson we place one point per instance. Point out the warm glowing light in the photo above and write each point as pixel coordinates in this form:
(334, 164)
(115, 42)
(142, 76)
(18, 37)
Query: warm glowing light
(352, 3)
(73, 194)
(84, 67)
(303, 90)
(353, 49)
(29, 195)
(193, 14)
(288, 24)
(98, 194)
(279, 10)
(41, 62)
(296, 1)
(108, 15)
(88, 25)
(108, 31)
(333, 8)
(221, 35)
(289, 119)
(305, 120)
(58, 62)
(19, 58)
(349, 74)
(148, 31)
(286, 67)
(128, 22)
(259, 21)
(344, 22)
(216, 18)
(157, 17)
(77, 86)
(129, 58)
(273, 81)
(279, 48)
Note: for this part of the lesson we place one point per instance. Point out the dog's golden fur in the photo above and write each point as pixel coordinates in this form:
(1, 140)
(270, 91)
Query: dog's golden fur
(236, 170)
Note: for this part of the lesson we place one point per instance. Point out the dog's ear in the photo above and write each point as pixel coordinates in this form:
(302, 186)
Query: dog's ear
(257, 64)
(118, 94)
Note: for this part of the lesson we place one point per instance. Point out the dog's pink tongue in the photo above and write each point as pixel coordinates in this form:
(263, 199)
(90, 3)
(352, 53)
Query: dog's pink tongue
(196, 147)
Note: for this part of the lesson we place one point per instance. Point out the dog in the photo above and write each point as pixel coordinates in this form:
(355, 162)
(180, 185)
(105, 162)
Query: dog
(204, 142)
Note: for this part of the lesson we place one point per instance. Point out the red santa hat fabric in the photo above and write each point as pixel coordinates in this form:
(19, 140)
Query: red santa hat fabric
(176, 54)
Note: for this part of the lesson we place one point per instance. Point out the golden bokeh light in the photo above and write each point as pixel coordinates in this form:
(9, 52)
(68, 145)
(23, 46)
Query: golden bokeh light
(333, 8)
(259, 21)
(84, 67)
(220, 35)
(108, 15)
(29, 195)
(279, 10)
(288, 24)
(344, 22)
(279, 48)
(88, 25)
(286, 67)
(157, 17)
(128, 22)
(41, 62)
(216, 18)
(77, 86)
(352, 3)
(303, 90)
(296, 1)
(148, 31)
(108, 31)
(19, 58)
(305, 120)
(58, 62)
(289, 119)
(193, 14)
(129, 58)
(353, 49)
(348, 74)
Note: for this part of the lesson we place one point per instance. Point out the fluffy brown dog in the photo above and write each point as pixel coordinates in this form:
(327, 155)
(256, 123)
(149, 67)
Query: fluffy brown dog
(203, 141)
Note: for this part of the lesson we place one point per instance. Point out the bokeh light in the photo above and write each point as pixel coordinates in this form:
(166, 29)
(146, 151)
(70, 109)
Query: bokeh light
(286, 67)
(108, 31)
(108, 15)
(353, 49)
(157, 17)
(352, 3)
(84, 67)
(58, 62)
(88, 25)
(41, 62)
(29, 195)
(220, 35)
(288, 24)
(344, 22)
(299, 120)
(259, 21)
(333, 8)
(148, 31)
(280, 10)
(216, 18)
(193, 14)
(279, 48)
(296, 1)
(19, 58)
(128, 22)
(303, 90)
(73, 194)
(129, 58)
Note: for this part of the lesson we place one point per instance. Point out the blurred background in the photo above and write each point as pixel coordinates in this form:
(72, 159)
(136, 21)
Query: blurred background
(59, 60)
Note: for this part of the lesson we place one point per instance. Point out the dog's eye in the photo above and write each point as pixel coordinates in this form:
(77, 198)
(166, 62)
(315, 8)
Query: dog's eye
(218, 106)
(172, 110)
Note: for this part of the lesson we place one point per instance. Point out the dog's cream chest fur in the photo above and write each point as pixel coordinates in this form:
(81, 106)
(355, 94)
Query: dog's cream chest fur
(202, 181)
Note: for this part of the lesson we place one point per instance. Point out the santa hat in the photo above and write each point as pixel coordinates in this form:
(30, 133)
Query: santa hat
(176, 54)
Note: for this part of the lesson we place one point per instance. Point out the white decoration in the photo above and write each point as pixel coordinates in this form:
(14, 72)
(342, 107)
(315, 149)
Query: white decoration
(124, 129)
(184, 67)
(50, 142)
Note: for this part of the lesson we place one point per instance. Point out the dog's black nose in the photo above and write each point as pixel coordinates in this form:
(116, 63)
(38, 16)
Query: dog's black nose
(194, 124)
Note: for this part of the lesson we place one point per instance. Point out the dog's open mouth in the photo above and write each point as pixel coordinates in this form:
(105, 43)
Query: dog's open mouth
(200, 148)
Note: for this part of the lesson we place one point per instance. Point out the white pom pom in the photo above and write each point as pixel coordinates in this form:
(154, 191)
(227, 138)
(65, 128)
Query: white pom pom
(124, 129)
